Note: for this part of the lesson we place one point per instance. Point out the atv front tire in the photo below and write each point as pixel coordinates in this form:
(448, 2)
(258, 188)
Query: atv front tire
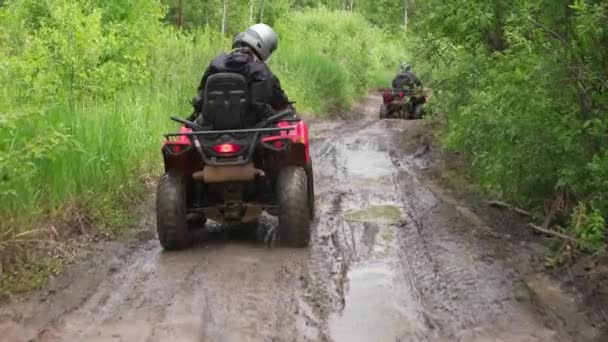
(171, 222)
(294, 207)
(417, 112)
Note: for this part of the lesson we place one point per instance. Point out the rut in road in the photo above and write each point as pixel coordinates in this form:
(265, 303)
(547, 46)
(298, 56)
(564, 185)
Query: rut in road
(389, 261)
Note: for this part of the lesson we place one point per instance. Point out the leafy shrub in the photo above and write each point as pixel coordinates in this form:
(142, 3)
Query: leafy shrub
(525, 94)
(326, 59)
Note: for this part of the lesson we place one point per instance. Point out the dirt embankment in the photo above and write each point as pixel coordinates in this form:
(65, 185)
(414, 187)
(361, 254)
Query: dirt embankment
(393, 257)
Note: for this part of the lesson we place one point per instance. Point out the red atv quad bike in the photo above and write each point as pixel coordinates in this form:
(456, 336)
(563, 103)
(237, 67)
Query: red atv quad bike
(231, 173)
(401, 104)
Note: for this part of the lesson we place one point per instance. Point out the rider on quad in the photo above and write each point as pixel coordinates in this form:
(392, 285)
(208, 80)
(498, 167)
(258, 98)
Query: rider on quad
(251, 49)
(239, 158)
(406, 79)
(406, 99)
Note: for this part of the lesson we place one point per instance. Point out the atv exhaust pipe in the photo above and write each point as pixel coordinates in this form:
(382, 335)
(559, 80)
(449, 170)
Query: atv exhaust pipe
(220, 174)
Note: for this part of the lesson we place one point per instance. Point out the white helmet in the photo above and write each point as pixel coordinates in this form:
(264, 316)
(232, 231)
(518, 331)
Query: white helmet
(261, 38)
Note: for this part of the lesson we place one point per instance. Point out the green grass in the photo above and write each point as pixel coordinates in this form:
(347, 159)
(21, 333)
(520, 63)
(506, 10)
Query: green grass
(376, 214)
(94, 151)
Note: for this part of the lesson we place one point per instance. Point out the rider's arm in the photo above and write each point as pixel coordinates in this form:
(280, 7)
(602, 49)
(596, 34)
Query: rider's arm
(279, 98)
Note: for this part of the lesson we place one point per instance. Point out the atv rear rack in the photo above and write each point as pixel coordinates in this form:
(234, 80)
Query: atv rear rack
(256, 139)
(233, 131)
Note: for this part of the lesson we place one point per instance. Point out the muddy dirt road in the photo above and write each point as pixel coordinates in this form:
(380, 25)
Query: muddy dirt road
(391, 259)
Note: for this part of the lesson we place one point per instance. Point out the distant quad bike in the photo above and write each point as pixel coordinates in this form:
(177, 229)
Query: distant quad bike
(230, 173)
(402, 104)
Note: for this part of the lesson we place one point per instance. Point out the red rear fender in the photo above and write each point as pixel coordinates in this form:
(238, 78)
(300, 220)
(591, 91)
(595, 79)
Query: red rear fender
(388, 97)
(178, 153)
(299, 135)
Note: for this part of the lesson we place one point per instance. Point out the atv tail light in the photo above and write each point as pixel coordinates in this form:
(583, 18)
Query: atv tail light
(401, 94)
(175, 149)
(226, 148)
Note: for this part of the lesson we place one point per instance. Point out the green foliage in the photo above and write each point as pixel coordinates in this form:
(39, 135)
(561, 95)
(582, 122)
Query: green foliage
(327, 59)
(85, 101)
(588, 225)
(525, 90)
(238, 14)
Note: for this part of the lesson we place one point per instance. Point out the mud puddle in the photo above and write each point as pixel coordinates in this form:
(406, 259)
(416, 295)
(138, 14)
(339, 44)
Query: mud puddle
(378, 305)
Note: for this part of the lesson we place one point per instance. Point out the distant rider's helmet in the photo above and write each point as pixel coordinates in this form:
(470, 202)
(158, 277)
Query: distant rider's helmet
(405, 67)
(261, 38)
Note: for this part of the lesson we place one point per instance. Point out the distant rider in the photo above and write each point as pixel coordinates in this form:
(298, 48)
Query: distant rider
(408, 82)
(251, 50)
(406, 79)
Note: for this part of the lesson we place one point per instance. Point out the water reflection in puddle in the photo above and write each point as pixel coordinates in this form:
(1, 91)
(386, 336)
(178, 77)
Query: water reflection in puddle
(378, 304)
(369, 164)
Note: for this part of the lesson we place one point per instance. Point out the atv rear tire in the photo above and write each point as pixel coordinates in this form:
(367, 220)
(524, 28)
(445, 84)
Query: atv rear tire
(417, 112)
(383, 111)
(311, 190)
(171, 222)
(294, 207)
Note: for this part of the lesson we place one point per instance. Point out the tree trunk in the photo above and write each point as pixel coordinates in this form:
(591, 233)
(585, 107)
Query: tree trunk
(496, 39)
(405, 18)
(180, 13)
(262, 11)
(224, 14)
(251, 7)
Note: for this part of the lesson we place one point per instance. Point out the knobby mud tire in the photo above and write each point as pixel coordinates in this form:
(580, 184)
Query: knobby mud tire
(417, 112)
(311, 190)
(294, 211)
(171, 221)
(383, 111)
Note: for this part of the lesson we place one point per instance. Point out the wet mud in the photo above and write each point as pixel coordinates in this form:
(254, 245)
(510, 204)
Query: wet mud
(392, 258)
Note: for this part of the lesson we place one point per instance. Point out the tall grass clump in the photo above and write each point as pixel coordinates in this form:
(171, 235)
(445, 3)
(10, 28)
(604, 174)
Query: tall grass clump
(85, 98)
(327, 59)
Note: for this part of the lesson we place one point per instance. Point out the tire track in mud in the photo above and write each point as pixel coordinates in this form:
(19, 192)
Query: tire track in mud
(443, 283)
(350, 183)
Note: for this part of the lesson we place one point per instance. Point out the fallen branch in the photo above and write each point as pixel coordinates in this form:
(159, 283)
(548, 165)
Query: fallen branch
(590, 274)
(556, 234)
(549, 218)
(510, 207)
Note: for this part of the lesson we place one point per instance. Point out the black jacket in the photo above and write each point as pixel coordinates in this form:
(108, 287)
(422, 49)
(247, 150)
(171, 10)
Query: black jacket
(265, 89)
(406, 79)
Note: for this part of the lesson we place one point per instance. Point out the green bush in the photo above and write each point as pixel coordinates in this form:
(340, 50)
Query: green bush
(326, 59)
(523, 89)
(85, 102)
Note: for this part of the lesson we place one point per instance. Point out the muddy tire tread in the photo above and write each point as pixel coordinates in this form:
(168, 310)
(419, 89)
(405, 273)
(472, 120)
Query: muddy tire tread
(311, 190)
(171, 222)
(383, 111)
(294, 211)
